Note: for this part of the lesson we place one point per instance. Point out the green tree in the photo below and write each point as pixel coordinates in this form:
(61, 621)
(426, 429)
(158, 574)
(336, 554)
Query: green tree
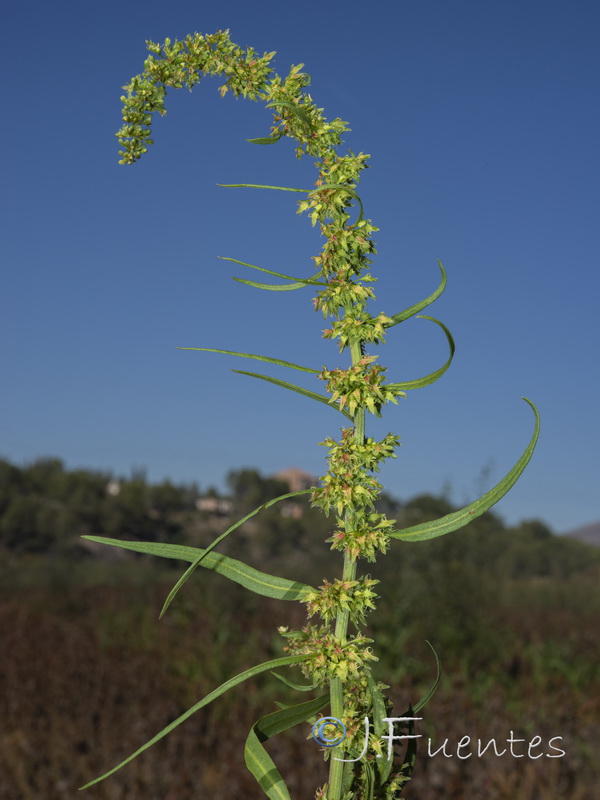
(249, 489)
(20, 526)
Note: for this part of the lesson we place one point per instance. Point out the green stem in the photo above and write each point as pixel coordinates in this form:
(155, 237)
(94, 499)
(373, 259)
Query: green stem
(336, 688)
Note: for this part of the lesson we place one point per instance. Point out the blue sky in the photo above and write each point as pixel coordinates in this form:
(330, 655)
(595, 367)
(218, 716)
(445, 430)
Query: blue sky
(482, 123)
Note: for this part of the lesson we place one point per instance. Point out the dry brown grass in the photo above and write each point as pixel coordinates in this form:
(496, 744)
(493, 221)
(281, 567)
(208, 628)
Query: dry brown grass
(88, 674)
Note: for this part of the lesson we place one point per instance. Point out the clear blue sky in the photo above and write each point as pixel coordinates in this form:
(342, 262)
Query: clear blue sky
(482, 122)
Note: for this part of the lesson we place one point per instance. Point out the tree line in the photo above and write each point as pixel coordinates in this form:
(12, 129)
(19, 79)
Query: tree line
(46, 508)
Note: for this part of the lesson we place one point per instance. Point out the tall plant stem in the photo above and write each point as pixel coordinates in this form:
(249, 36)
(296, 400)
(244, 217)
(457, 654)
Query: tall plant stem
(336, 768)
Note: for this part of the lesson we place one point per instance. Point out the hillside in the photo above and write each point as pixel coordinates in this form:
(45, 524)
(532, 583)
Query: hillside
(590, 534)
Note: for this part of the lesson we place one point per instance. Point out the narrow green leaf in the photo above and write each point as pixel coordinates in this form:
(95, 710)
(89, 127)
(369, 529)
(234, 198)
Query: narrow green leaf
(193, 567)
(297, 686)
(384, 764)
(258, 582)
(297, 111)
(410, 312)
(433, 376)
(379, 710)
(369, 778)
(309, 281)
(258, 760)
(345, 781)
(263, 768)
(266, 139)
(261, 186)
(292, 387)
(272, 287)
(424, 700)
(279, 721)
(224, 687)
(252, 355)
(411, 749)
(458, 519)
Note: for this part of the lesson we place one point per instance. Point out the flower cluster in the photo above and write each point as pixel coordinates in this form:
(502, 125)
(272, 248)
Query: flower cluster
(348, 492)
(336, 187)
(360, 386)
(341, 294)
(347, 247)
(350, 487)
(329, 656)
(355, 597)
(365, 538)
(296, 116)
(179, 64)
(350, 455)
(358, 327)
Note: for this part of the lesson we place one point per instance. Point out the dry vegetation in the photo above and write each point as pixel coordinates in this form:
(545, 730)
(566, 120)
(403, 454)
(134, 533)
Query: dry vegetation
(88, 673)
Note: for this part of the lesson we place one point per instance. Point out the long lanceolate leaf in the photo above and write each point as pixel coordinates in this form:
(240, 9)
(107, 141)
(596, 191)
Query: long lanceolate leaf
(411, 748)
(224, 687)
(193, 567)
(385, 765)
(412, 310)
(261, 186)
(266, 139)
(299, 687)
(259, 761)
(258, 582)
(276, 361)
(300, 281)
(292, 387)
(272, 287)
(427, 697)
(426, 380)
(458, 519)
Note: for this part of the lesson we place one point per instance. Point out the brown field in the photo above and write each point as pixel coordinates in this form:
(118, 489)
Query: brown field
(88, 674)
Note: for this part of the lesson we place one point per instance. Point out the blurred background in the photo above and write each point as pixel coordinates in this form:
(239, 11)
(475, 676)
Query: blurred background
(482, 124)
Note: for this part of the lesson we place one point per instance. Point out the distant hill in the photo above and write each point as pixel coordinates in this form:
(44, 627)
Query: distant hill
(590, 534)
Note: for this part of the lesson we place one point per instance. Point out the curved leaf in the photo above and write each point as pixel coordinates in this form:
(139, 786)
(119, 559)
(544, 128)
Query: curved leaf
(266, 139)
(427, 697)
(252, 355)
(297, 111)
(352, 192)
(377, 700)
(272, 287)
(410, 756)
(258, 582)
(308, 281)
(433, 376)
(412, 310)
(259, 761)
(292, 387)
(224, 687)
(260, 186)
(384, 764)
(297, 686)
(458, 519)
(192, 568)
